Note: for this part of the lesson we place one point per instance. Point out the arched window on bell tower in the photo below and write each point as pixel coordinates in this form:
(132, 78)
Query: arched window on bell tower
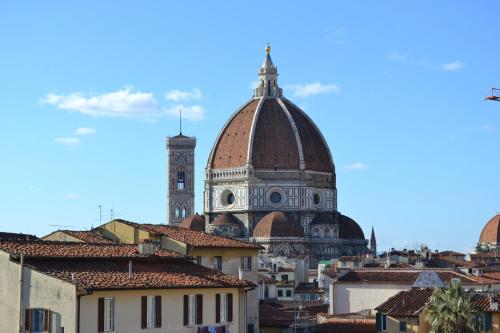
(181, 180)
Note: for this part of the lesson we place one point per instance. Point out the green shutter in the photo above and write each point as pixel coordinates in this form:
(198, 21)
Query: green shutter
(378, 320)
(487, 322)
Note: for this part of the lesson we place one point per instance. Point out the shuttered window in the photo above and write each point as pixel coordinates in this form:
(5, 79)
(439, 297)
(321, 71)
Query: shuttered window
(223, 308)
(37, 321)
(150, 311)
(193, 310)
(105, 314)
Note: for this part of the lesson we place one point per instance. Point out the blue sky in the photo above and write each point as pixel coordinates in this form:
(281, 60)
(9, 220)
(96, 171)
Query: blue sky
(89, 90)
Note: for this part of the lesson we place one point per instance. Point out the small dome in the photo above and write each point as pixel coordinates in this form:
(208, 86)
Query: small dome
(225, 219)
(277, 224)
(193, 222)
(491, 231)
(349, 229)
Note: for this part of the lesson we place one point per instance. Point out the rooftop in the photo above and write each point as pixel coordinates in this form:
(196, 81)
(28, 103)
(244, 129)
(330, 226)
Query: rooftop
(86, 236)
(91, 274)
(190, 237)
(402, 276)
(54, 249)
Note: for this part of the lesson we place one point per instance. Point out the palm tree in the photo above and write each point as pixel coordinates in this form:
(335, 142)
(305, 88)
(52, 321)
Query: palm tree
(450, 310)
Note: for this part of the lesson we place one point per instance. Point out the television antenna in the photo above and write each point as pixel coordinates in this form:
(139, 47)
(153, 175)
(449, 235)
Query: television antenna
(60, 226)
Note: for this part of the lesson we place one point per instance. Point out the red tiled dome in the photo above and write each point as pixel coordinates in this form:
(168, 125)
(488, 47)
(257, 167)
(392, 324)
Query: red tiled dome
(226, 218)
(491, 231)
(277, 134)
(277, 224)
(193, 222)
(349, 229)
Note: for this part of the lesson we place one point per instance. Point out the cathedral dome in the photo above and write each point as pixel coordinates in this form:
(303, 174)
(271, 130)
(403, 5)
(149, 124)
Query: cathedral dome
(491, 231)
(277, 224)
(225, 219)
(349, 229)
(270, 132)
(193, 222)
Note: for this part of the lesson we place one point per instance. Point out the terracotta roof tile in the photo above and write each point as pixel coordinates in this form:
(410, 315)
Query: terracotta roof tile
(6, 236)
(491, 231)
(192, 238)
(231, 149)
(73, 249)
(346, 325)
(88, 236)
(193, 222)
(91, 274)
(401, 276)
(274, 140)
(406, 303)
(277, 224)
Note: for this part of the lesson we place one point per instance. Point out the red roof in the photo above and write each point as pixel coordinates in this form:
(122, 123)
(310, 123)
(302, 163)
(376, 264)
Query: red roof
(400, 276)
(77, 250)
(277, 224)
(87, 236)
(193, 222)
(491, 231)
(410, 302)
(347, 325)
(271, 132)
(91, 274)
(192, 238)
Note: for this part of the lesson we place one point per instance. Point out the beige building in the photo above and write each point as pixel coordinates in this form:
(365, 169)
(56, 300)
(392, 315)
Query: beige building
(62, 287)
(364, 289)
(406, 312)
(230, 256)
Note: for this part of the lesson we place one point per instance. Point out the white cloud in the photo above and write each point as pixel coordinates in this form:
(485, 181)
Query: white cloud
(120, 103)
(179, 95)
(254, 84)
(193, 112)
(453, 66)
(85, 131)
(488, 128)
(72, 196)
(355, 166)
(67, 141)
(124, 103)
(314, 88)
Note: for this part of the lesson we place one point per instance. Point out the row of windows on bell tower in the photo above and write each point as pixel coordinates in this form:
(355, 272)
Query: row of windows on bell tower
(181, 180)
(180, 212)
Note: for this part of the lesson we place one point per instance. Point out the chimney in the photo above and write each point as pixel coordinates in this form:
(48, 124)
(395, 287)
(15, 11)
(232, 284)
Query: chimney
(147, 247)
(130, 269)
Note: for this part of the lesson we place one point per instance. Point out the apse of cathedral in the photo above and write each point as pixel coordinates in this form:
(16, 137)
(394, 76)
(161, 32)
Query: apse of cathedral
(270, 178)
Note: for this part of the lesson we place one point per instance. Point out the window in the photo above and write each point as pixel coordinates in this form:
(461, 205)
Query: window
(317, 199)
(280, 292)
(223, 308)
(246, 263)
(151, 311)
(275, 197)
(273, 276)
(197, 260)
(218, 263)
(288, 293)
(183, 213)
(402, 326)
(193, 310)
(181, 180)
(177, 212)
(40, 320)
(284, 277)
(105, 314)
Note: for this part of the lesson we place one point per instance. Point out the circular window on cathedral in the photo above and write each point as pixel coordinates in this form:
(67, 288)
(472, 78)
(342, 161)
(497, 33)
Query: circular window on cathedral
(228, 198)
(275, 197)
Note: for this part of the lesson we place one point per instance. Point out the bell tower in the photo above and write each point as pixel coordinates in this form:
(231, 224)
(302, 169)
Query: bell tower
(180, 177)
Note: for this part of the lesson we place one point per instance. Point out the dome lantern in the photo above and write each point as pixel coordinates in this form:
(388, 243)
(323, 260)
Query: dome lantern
(268, 78)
